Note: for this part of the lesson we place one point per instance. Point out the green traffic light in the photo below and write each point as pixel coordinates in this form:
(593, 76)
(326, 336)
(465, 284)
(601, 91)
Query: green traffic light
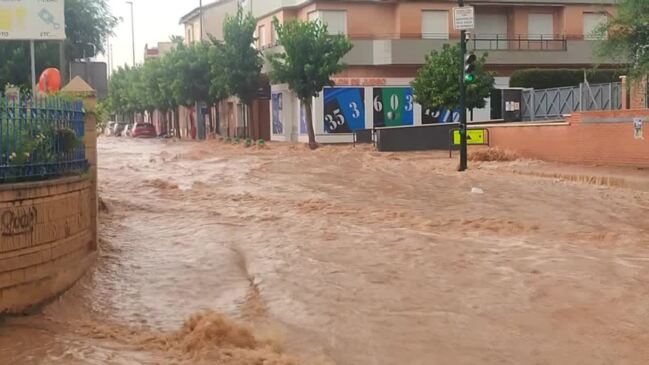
(469, 78)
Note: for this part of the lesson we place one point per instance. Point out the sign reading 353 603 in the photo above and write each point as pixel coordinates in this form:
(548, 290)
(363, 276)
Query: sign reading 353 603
(32, 19)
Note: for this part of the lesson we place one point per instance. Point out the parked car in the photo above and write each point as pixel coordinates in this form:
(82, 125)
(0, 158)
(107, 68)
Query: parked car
(110, 128)
(127, 130)
(143, 130)
(119, 129)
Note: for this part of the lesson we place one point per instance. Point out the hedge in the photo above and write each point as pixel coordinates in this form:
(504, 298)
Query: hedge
(549, 78)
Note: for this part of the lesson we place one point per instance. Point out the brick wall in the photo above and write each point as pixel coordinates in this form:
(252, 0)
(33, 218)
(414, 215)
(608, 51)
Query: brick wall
(46, 239)
(602, 138)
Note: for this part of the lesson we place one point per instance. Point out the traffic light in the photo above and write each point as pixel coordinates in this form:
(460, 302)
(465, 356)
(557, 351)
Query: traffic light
(469, 68)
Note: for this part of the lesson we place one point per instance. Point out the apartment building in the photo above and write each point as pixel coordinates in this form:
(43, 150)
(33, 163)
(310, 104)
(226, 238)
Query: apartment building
(392, 38)
(213, 15)
(226, 118)
(159, 50)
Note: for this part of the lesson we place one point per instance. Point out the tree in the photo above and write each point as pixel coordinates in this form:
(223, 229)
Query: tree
(628, 36)
(437, 83)
(237, 63)
(309, 58)
(87, 22)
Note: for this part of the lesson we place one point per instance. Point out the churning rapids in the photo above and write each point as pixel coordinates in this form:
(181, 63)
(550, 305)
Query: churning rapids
(217, 254)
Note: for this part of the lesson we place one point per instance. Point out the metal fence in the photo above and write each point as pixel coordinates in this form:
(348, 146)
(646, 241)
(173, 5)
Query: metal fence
(553, 103)
(41, 139)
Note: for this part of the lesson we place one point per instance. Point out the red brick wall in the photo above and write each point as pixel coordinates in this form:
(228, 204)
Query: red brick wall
(602, 138)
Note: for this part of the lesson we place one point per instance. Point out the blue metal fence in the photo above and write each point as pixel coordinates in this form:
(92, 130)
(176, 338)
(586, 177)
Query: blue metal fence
(41, 139)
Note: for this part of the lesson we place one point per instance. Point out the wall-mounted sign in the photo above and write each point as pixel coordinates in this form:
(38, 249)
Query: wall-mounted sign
(637, 128)
(373, 81)
(32, 19)
(473, 137)
(463, 18)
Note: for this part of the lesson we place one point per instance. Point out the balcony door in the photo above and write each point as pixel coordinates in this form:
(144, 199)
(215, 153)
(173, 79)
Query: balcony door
(490, 31)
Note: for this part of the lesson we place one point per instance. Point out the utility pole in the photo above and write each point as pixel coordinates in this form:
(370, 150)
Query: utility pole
(463, 123)
(132, 30)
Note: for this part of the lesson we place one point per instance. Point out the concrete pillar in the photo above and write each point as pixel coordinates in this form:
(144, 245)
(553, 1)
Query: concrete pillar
(623, 93)
(638, 94)
(80, 89)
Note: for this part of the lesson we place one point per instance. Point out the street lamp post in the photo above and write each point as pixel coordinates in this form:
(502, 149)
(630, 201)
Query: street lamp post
(132, 30)
(200, 15)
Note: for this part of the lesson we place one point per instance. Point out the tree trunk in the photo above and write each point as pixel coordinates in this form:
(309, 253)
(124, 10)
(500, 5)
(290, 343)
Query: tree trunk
(177, 122)
(309, 123)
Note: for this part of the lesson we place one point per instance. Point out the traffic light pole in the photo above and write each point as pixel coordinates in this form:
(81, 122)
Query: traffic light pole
(463, 123)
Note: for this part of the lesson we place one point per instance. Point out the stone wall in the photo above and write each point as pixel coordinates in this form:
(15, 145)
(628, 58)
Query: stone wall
(48, 229)
(46, 239)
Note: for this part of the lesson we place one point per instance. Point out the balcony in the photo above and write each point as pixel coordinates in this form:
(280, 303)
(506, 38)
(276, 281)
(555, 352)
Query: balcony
(518, 50)
(519, 42)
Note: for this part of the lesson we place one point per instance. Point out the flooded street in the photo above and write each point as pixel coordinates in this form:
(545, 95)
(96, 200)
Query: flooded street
(346, 256)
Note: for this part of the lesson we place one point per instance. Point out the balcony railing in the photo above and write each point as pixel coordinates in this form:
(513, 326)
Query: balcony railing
(478, 42)
(519, 42)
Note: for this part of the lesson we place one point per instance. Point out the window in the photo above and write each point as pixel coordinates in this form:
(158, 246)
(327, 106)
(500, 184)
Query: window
(434, 24)
(261, 33)
(540, 26)
(491, 31)
(336, 20)
(592, 21)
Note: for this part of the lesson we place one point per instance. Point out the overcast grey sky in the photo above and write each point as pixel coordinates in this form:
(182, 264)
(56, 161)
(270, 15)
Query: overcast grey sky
(155, 20)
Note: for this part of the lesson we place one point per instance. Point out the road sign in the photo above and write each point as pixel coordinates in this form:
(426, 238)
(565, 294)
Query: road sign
(32, 20)
(473, 137)
(463, 18)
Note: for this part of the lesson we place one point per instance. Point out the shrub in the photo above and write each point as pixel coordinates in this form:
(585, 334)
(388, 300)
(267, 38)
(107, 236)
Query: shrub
(550, 78)
(248, 142)
(261, 143)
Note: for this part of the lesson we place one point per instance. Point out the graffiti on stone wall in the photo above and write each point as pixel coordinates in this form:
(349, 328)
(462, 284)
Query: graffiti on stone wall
(17, 221)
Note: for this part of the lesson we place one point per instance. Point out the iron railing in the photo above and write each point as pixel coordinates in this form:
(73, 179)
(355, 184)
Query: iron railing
(41, 139)
(519, 42)
(554, 103)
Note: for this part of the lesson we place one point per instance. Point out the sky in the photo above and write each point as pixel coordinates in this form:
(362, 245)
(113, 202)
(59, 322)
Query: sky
(155, 21)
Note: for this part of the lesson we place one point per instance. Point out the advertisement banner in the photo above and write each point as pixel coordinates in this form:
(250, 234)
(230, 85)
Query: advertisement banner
(393, 107)
(278, 126)
(344, 109)
(32, 20)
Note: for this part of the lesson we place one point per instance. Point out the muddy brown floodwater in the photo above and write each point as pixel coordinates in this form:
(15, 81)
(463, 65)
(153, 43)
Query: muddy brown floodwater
(214, 254)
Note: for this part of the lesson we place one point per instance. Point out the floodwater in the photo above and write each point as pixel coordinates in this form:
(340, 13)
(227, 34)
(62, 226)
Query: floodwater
(217, 254)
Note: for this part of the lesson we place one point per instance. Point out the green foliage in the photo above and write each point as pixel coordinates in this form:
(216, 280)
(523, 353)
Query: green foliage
(261, 143)
(549, 78)
(66, 140)
(190, 67)
(87, 21)
(249, 142)
(239, 63)
(309, 58)
(438, 81)
(236, 140)
(628, 36)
